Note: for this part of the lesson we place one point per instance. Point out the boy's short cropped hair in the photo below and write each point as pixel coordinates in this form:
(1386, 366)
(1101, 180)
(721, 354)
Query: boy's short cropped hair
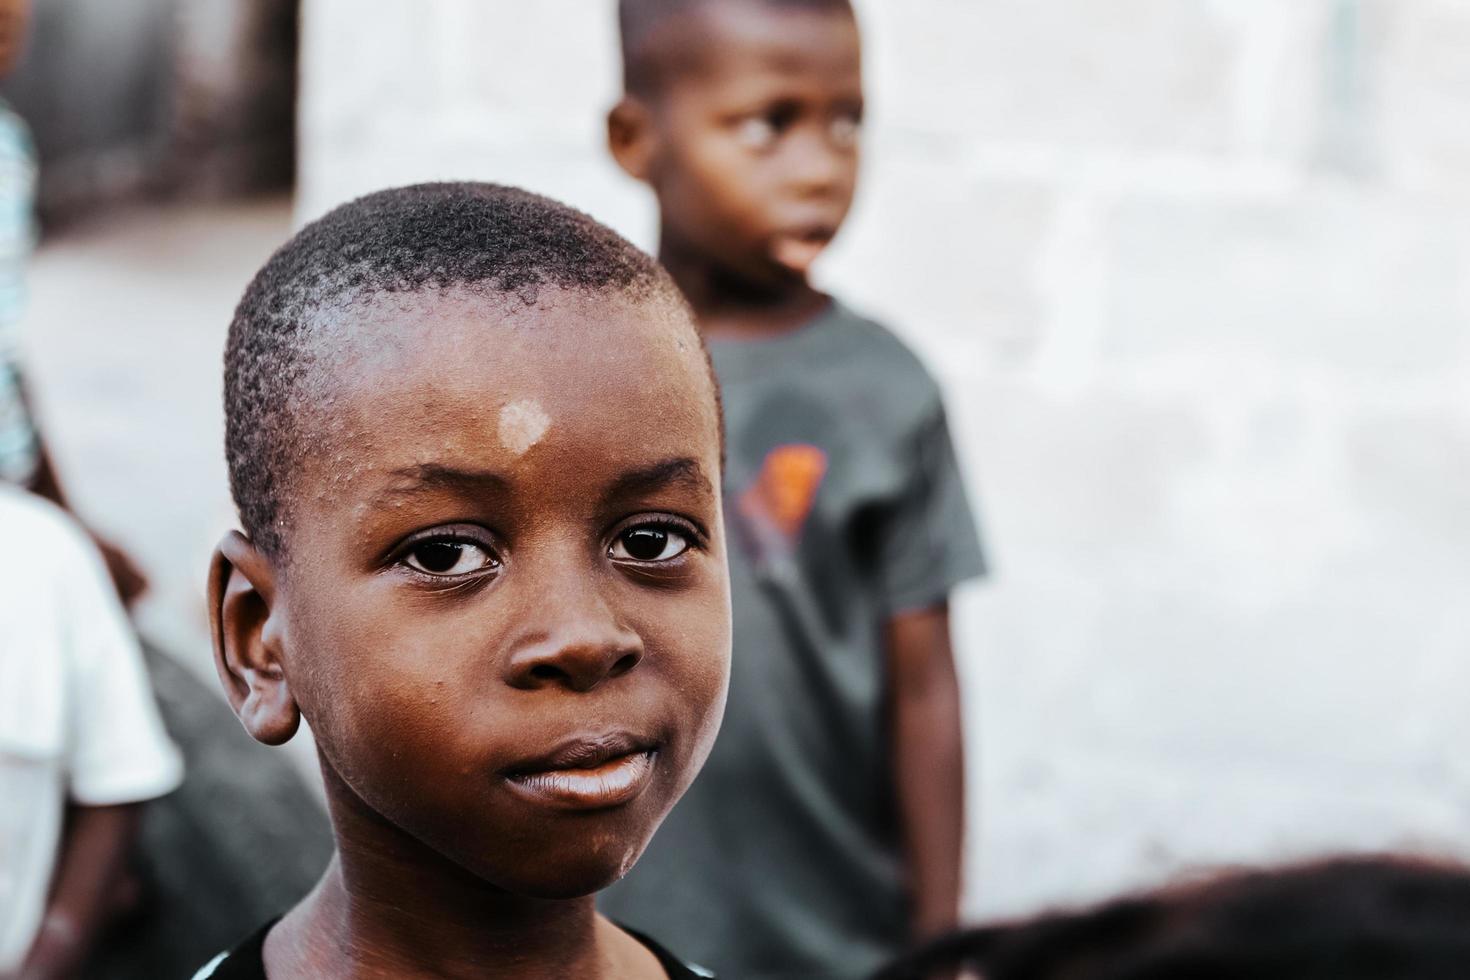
(645, 66)
(475, 236)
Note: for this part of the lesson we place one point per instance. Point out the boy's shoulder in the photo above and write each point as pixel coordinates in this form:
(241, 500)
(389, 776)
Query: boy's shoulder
(48, 535)
(871, 371)
(874, 346)
(842, 350)
(247, 961)
(63, 577)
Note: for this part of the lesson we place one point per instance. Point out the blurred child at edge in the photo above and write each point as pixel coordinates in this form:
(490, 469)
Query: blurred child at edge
(23, 457)
(81, 742)
(825, 832)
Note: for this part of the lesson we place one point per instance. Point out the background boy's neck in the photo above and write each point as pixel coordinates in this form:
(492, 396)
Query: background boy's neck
(729, 307)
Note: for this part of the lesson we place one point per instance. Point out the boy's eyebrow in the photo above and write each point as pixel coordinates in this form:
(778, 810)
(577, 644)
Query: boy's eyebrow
(646, 479)
(436, 476)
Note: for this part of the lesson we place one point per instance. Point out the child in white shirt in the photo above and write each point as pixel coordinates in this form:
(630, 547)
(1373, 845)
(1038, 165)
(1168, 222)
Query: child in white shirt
(81, 741)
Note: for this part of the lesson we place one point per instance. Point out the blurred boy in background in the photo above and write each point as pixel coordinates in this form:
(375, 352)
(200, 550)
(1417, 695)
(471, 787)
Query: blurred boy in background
(23, 457)
(825, 833)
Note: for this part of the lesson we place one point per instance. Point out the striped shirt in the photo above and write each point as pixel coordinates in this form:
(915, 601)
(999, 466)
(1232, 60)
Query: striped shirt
(19, 454)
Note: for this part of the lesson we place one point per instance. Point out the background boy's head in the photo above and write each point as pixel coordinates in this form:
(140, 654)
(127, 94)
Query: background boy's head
(743, 116)
(1345, 919)
(14, 22)
(475, 443)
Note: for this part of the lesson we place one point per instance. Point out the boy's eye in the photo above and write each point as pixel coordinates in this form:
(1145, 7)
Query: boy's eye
(845, 130)
(448, 558)
(756, 132)
(649, 544)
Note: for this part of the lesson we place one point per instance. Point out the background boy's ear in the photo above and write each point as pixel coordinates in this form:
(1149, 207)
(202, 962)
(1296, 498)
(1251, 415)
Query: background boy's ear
(630, 137)
(247, 640)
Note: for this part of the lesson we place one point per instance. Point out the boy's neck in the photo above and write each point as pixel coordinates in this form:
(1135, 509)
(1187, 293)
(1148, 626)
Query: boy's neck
(390, 906)
(730, 308)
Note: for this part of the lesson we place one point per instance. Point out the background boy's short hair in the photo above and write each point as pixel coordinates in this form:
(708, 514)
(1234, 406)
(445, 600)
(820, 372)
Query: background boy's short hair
(423, 237)
(644, 67)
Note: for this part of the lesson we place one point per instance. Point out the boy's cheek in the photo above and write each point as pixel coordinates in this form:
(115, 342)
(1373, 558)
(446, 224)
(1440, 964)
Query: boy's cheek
(384, 738)
(700, 665)
(350, 675)
(691, 621)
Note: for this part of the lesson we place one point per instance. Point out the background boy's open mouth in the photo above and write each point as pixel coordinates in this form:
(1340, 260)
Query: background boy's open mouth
(797, 250)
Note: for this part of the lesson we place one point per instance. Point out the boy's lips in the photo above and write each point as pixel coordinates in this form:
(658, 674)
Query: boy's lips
(797, 250)
(590, 773)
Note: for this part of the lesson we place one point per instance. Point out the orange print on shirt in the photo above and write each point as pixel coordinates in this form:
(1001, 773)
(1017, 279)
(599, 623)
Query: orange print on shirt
(784, 492)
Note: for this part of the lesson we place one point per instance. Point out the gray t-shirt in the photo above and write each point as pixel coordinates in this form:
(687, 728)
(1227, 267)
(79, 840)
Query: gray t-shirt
(844, 505)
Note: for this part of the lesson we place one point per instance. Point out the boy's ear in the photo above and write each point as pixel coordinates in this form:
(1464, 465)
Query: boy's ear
(631, 138)
(247, 640)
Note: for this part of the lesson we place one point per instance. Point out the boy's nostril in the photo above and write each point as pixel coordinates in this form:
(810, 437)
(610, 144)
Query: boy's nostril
(545, 672)
(624, 664)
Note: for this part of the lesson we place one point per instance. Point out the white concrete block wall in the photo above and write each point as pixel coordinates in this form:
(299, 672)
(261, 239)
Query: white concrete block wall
(1197, 276)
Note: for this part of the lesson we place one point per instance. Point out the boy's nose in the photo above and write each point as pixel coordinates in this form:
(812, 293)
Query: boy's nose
(583, 648)
(817, 169)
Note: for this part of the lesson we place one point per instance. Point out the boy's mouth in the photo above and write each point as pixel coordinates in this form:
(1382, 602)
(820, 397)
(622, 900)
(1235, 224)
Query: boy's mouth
(593, 773)
(797, 250)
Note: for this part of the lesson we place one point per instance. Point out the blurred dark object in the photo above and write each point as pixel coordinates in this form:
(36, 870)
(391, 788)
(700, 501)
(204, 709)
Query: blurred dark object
(158, 97)
(1345, 919)
(126, 575)
(239, 843)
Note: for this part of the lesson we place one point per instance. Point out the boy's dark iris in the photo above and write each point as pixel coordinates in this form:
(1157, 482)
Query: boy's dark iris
(645, 543)
(439, 556)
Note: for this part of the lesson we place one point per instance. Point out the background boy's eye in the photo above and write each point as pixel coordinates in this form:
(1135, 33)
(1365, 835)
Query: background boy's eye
(649, 544)
(756, 132)
(845, 130)
(448, 558)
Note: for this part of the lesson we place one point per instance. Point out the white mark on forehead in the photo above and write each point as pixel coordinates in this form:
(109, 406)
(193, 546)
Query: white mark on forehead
(522, 424)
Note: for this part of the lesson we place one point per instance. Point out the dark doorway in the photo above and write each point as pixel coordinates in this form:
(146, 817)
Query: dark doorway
(158, 98)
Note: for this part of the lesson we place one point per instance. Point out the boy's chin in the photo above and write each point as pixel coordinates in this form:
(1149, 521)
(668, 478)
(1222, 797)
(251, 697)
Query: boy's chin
(574, 870)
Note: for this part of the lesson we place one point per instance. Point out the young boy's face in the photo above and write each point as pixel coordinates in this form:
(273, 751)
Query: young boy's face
(754, 150)
(14, 19)
(504, 609)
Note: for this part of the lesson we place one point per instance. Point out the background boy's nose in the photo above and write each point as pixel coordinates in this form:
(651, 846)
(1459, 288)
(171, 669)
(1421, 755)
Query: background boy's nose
(817, 167)
(578, 653)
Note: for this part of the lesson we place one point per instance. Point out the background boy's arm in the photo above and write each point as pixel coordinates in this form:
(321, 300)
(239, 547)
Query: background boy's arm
(928, 759)
(92, 861)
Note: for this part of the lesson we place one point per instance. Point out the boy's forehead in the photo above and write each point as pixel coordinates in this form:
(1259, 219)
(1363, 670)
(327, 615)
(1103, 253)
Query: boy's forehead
(415, 374)
(725, 39)
(438, 330)
(538, 428)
